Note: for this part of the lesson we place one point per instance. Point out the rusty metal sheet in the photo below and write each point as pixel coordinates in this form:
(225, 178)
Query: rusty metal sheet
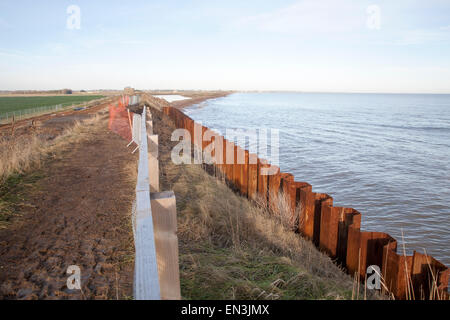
(329, 230)
(217, 153)
(230, 158)
(204, 143)
(321, 199)
(252, 176)
(286, 191)
(365, 249)
(298, 187)
(237, 168)
(396, 271)
(306, 219)
(289, 188)
(263, 181)
(198, 134)
(274, 189)
(348, 217)
(428, 276)
(188, 123)
(353, 249)
(243, 181)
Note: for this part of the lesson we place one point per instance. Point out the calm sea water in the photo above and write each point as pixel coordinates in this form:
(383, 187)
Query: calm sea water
(386, 155)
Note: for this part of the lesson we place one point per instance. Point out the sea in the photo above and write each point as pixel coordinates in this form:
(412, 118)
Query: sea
(385, 155)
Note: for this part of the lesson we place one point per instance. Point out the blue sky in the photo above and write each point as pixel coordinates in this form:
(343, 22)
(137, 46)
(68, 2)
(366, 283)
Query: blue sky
(305, 45)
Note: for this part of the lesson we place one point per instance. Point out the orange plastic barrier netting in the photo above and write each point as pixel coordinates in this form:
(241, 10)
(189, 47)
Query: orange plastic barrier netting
(120, 119)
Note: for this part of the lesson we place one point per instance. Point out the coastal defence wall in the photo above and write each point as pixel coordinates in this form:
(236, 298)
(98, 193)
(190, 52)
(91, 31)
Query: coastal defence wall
(334, 230)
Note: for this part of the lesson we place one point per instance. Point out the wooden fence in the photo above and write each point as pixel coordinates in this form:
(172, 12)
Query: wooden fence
(154, 220)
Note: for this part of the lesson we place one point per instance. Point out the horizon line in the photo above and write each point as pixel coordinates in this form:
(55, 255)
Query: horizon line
(231, 90)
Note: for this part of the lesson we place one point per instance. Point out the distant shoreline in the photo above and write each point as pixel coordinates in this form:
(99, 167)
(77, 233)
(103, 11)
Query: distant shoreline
(198, 98)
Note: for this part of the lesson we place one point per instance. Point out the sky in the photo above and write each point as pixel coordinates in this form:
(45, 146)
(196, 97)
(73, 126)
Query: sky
(400, 46)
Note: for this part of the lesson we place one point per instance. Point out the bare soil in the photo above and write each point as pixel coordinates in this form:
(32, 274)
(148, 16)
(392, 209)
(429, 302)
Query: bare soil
(78, 213)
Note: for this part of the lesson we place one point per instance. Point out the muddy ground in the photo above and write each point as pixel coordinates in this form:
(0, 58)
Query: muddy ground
(76, 213)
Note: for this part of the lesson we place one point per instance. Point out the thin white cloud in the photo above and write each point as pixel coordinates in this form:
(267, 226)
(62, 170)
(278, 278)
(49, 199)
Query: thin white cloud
(310, 16)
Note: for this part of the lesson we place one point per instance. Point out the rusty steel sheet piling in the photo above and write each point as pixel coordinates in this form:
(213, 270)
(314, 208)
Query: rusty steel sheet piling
(219, 149)
(289, 189)
(396, 270)
(223, 164)
(334, 225)
(285, 192)
(236, 168)
(230, 158)
(198, 135)
(274, 189)
(263, 181)
(306, 216)
(310, 213)
(299, 186)
(429, 277)
(243, 181)
(321, 199)
(334, 230)
(365, 249)
(252, 176)
(204, 143)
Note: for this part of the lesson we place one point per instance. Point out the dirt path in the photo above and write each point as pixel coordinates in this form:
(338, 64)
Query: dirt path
(79, 215)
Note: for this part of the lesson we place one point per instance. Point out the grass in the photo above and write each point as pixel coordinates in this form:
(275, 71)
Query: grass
(24, 153)
(21, 158)
(8, 104)
(13, 192)
(231, 248)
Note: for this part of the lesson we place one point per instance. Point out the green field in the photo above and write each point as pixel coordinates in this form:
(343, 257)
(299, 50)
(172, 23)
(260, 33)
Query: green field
(8, 104)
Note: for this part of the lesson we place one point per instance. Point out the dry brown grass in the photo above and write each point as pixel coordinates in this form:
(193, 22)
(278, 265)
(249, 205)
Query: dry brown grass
(21, 157)
(231, 248)
(20, 154)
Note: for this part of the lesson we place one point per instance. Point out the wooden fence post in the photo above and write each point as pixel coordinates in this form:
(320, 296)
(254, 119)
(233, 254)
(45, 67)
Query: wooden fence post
(165, 224)
(153, 162)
